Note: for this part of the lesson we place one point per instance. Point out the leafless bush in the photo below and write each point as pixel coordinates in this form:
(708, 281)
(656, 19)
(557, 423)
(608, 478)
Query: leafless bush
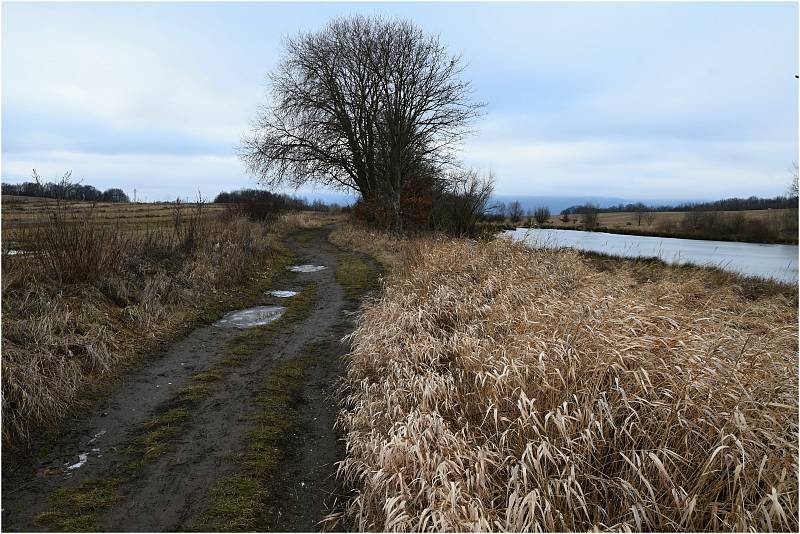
(589, 215)
(72, 247)
(463, 202)
(542, 215)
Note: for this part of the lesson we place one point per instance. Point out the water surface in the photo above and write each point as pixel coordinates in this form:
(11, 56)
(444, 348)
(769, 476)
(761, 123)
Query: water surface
(258, 316)
(778, 262)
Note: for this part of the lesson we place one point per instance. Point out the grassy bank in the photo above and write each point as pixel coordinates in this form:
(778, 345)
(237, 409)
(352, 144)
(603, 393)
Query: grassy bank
(494, 387)
(90, 295)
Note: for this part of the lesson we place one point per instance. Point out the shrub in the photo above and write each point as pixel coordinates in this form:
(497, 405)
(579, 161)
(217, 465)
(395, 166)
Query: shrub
(589, 215)
(542, 215)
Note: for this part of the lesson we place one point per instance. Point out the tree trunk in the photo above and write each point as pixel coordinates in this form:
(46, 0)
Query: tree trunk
(397, 216)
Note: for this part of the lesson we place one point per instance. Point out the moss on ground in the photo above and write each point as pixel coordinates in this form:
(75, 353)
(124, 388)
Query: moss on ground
(76, 509)
(304, 237)
(355, 274)
(240, 499)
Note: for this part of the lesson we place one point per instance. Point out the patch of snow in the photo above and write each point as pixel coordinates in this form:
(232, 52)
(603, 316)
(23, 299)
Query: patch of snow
(306, 268)
(82, 459)
(283, 294)
(258, 316)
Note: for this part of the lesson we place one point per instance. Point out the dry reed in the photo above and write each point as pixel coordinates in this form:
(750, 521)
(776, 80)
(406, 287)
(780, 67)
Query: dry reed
(497, 388)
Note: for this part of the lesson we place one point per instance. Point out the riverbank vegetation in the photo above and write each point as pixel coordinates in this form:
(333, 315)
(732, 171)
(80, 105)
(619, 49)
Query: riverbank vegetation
(494, 387)
(84, 294)
(754, 226)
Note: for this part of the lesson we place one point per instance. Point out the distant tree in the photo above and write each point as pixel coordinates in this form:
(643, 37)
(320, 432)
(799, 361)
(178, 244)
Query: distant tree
(793, 186)
(515, 211)
(500, 209)
(542, 215)
(639, 211)
(589, 215)
(650, 217)
(115, 195)
(565, 216)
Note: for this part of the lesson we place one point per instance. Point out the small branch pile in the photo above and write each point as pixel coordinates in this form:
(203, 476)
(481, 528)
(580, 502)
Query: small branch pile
(497, 388)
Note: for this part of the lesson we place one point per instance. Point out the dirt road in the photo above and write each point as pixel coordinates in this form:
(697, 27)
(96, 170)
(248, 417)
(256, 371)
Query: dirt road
(227, 429)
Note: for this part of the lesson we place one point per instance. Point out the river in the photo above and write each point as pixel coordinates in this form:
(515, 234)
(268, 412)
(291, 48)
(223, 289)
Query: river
(777, 262)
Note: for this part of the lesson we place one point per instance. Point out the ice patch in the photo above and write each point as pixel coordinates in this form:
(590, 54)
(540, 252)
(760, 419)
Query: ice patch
(283, 294)
(82, 459)
(251, 317)
(306, 268)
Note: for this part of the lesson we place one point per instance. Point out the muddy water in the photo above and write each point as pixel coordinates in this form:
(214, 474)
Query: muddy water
(258, 316)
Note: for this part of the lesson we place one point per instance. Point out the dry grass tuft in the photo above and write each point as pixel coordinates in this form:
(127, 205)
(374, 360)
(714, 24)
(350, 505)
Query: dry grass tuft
(497, 388)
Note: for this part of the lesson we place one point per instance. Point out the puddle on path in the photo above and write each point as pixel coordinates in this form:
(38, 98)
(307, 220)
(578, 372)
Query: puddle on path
(306, 268)
(282, 294)
(258, 316)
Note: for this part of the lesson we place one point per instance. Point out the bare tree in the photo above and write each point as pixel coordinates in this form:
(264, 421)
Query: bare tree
(364, 104)
(515, 211)
(650, 217)
(542, 215)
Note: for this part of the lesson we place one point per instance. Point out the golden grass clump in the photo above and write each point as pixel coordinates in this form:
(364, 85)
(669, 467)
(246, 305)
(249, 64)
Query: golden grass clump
(494, 387)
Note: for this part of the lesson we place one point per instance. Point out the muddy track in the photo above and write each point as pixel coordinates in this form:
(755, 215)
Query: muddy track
(172, 489)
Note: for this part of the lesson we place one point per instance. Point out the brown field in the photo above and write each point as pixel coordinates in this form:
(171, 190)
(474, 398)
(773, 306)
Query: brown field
(492, 387)
(22, 213)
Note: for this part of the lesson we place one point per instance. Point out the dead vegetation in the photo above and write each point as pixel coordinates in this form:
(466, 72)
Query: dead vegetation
(497, 388)
(87, 295)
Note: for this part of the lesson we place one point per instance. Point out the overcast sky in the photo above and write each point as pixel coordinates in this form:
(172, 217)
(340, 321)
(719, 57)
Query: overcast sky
(640, 101)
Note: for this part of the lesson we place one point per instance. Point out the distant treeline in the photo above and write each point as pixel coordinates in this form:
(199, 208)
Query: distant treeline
(728, 204)
(65, 191)
(259, 204)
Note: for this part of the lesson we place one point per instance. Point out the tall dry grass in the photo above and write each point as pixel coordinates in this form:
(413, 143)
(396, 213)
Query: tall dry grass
(497, 388)
(88, 295)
